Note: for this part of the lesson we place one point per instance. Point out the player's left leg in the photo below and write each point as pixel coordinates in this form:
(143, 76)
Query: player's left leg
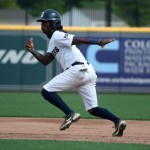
(89, 96)
(88, 93)
(120, 125)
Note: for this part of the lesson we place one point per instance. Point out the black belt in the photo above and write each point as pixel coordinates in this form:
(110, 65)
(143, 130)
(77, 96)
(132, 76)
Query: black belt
(77, 63)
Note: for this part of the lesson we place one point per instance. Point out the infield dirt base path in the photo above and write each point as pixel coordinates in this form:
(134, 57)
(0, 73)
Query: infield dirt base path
(84, 130)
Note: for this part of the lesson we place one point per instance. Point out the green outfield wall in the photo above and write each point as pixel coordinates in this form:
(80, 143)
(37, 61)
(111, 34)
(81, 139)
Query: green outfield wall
(127, 61)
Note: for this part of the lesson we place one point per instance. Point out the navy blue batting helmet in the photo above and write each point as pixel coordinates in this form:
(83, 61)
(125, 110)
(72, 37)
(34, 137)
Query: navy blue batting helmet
(51, 15)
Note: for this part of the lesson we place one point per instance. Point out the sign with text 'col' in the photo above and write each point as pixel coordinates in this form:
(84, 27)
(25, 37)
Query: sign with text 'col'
(122, 65)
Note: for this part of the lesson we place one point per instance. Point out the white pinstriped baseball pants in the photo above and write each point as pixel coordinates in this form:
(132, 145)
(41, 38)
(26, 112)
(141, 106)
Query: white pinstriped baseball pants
(83, 82)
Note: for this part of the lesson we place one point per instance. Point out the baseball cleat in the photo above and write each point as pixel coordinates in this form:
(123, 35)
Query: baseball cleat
(119, 128)
(73, 117)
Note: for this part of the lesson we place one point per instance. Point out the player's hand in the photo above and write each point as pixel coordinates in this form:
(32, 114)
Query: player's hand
(29, 45)
(104, 42)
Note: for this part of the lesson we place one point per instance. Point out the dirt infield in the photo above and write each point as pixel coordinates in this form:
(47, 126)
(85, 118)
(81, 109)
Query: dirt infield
(83, 130)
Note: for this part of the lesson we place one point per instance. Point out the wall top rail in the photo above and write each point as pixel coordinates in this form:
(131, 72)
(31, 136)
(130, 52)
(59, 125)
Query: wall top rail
(79, 29)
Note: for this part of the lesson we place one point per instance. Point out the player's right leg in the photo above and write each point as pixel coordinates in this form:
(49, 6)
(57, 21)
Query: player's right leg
(69, 119)
(56, 100)
(119, 128)
(61, 82)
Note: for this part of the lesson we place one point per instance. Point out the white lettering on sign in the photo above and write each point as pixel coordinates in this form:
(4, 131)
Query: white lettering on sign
(30, 59)
(15, 57)
(137, 44)
(2, 52)
(137, 57)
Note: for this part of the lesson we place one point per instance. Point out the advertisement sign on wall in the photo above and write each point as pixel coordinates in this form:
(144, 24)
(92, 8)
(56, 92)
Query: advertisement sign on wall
(18, 68)
(121, 65)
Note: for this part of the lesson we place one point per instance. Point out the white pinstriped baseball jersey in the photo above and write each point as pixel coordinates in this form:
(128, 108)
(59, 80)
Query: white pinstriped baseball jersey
(81, 78)
(61, 48)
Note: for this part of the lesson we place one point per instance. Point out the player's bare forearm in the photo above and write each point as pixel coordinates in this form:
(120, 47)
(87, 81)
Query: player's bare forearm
(44, 59)
(100, 42)
(38, 56)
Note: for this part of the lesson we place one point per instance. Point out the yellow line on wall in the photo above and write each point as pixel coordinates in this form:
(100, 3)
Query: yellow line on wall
(19, 27)
(108, 29)
(79, 29)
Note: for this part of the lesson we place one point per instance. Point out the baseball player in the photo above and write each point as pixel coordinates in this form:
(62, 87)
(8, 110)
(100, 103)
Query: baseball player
(78, 74)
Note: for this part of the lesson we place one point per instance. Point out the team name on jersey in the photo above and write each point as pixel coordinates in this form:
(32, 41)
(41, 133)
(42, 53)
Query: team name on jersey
(55, 51)
(66, 35)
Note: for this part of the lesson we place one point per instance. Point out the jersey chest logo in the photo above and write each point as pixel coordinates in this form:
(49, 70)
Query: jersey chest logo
(66, 35)
(55, 51)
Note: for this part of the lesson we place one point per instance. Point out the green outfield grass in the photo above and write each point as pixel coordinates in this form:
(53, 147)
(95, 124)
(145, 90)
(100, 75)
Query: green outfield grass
(65, 145)
(32, 104)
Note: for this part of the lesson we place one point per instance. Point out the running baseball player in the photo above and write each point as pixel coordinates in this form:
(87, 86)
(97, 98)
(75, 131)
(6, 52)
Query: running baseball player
(78, 74)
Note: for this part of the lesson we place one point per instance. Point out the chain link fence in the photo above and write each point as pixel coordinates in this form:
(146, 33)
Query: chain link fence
(87, 13)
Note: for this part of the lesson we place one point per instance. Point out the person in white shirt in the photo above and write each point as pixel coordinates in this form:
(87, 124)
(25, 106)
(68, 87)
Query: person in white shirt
(78, 74)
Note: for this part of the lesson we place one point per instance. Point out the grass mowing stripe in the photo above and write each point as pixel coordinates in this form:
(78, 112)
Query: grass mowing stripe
(66, 145)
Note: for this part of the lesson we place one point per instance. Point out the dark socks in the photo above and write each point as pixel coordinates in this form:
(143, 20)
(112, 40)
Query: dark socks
(104, 113)
(56, 100)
